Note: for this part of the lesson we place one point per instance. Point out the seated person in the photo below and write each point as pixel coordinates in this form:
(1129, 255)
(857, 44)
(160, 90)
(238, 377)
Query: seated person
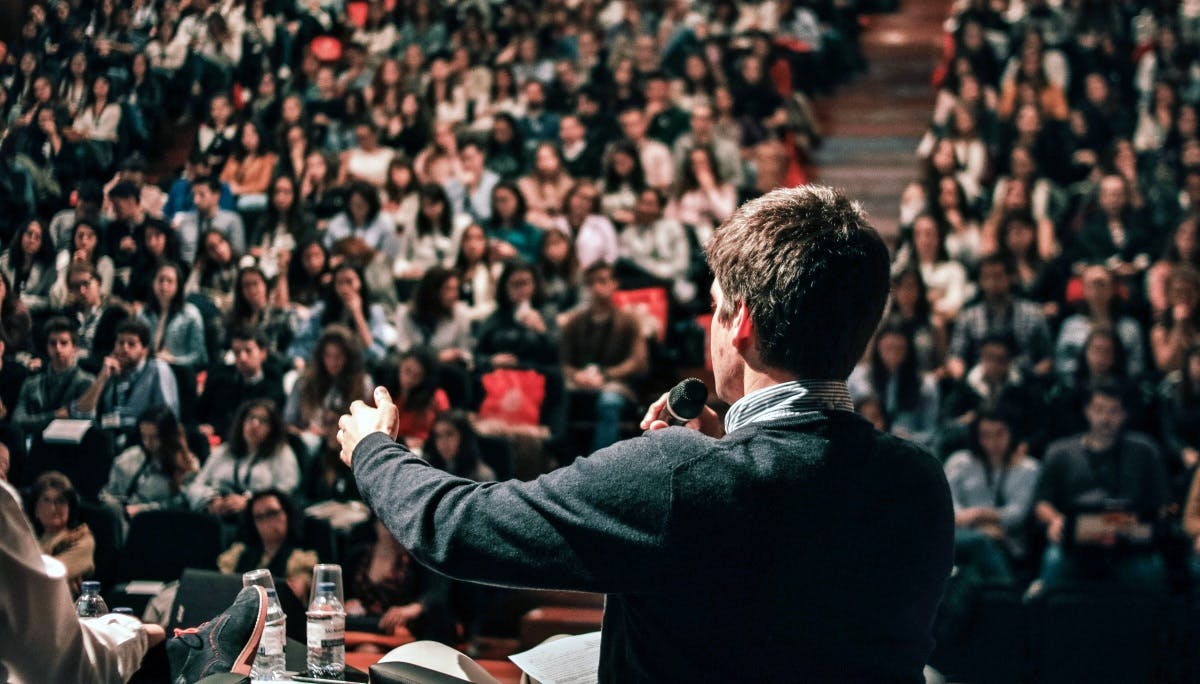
(454, 448)
(992, 484)
(97, 315)
(518, 333)
(255, 457)
(12, 377)
(176, 327)
(326, 477)
(129, 383)
(50, 394)
(208, 215)
(908, 399)
(656, 249)
(1000, 310)
(251, 377)
(268, 526)
(995, 383)
(384, 583)
(1180, 414)
(418, 397)
(346, 304)
(1104, 463)
(332, 379)
(603, 353)
(154, 473)
(254, 308)
(55, 517)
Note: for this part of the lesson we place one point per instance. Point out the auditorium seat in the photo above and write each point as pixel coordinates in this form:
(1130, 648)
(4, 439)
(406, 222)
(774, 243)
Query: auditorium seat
(86, 464)
(162, 543)
(106, 530)
(1098, 634)
(542, 623)
(993, 647)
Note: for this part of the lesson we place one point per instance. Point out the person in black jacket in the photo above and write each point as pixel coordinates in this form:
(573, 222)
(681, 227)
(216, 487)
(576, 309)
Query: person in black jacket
(251, 377)
(820, 545)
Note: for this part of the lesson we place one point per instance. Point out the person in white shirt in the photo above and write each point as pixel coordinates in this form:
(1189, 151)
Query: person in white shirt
(41, 637)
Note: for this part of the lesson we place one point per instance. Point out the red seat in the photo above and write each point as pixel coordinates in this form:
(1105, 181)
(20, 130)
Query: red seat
(542, 623)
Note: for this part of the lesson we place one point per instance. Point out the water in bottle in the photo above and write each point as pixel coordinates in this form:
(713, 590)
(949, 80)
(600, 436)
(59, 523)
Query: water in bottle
(326, 632)
(90, 604)
(269, 662)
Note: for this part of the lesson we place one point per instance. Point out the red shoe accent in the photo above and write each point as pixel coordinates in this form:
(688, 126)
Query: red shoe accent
(241, 664)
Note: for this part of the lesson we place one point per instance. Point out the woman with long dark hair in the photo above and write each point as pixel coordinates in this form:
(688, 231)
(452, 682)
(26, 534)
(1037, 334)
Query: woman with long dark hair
(214, 274)
(253, 310)
(431, 239)
(1183, 249)
(518, 333)
(1180, 412)
(270, 538)
(254, 458)
(545, 188)
(624, 180)
(992, 484)
(364, 219)
(1178, 328)
(594, 237)
(334, 377)
(911, 311)
(477, 270)
(909, 401)
(702, 199)
(414, 386)
(153, 474)
(506, 147)
(346, 304)
(14, 319)
(454, 447)
(308, 276)
(28, 263)
(176, 327)
(283, 227)
(560, 273)
(514, 235)
(248, 171)
(436, 318)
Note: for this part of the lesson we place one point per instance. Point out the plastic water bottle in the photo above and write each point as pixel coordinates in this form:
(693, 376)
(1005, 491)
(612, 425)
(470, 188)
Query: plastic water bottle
(326, 632)
(90, 604)
(269, 662)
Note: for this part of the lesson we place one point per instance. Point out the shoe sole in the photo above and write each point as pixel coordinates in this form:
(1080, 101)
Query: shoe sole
(241, 664)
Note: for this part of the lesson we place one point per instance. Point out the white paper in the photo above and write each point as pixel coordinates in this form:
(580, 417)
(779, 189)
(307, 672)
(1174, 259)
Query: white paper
(573, 660)
(145, 587)
(66, 430)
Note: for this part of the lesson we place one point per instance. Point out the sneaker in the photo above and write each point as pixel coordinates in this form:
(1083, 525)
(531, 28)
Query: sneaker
(227, 643)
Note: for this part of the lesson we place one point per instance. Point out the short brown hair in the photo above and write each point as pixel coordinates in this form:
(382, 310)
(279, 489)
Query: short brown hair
(812, 273)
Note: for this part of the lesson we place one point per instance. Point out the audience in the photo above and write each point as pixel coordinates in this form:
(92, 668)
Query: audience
(51, 393)
(270, 539)
(129, 382)
(251, 377)
(54, 511)
(254, 457)
(153, 474)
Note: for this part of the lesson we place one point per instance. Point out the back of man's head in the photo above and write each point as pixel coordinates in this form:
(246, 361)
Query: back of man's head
(812, 273)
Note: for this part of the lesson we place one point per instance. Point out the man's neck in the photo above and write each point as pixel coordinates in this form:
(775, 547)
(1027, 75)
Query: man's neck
(254, 377)
(206, 213)
(62, 367)
(753, 380)
(998, 302)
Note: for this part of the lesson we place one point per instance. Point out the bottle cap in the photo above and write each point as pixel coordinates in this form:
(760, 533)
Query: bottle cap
(90, 585)
(271, 594)
(326, 586)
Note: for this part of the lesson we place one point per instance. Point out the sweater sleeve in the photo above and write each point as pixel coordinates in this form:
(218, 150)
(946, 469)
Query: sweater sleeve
(599, 524)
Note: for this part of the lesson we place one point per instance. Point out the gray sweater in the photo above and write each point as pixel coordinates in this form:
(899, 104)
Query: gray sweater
(811, 548)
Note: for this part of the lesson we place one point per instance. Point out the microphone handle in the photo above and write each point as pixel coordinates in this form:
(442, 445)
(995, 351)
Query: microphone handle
(670, 418)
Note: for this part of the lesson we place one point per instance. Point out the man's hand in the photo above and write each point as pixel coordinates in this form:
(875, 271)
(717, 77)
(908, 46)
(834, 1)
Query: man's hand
(111, 367)
(708, 422)
(364, 420)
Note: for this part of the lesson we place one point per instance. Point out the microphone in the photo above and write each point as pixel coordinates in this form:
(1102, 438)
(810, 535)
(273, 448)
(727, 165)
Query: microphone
(685, 402)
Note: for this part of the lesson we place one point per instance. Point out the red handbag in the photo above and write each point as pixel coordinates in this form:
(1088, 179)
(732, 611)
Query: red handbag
(513, 396)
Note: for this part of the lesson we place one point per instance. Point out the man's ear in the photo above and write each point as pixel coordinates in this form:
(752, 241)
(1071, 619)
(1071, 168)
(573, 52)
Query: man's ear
(743, 335)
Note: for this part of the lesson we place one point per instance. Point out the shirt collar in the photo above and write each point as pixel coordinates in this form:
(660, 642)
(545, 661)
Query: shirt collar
(788, 399)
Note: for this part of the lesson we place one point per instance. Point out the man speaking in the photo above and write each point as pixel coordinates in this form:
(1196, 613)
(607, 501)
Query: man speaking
(793, 543)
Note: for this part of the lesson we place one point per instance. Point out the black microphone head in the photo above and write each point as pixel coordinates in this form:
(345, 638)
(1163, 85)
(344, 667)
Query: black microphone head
(687, 399)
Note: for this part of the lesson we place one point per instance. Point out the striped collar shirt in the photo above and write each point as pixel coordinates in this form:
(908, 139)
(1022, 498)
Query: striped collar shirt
(786, 400)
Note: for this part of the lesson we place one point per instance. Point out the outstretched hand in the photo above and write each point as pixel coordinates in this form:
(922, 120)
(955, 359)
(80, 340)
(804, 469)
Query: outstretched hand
(364, 420)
